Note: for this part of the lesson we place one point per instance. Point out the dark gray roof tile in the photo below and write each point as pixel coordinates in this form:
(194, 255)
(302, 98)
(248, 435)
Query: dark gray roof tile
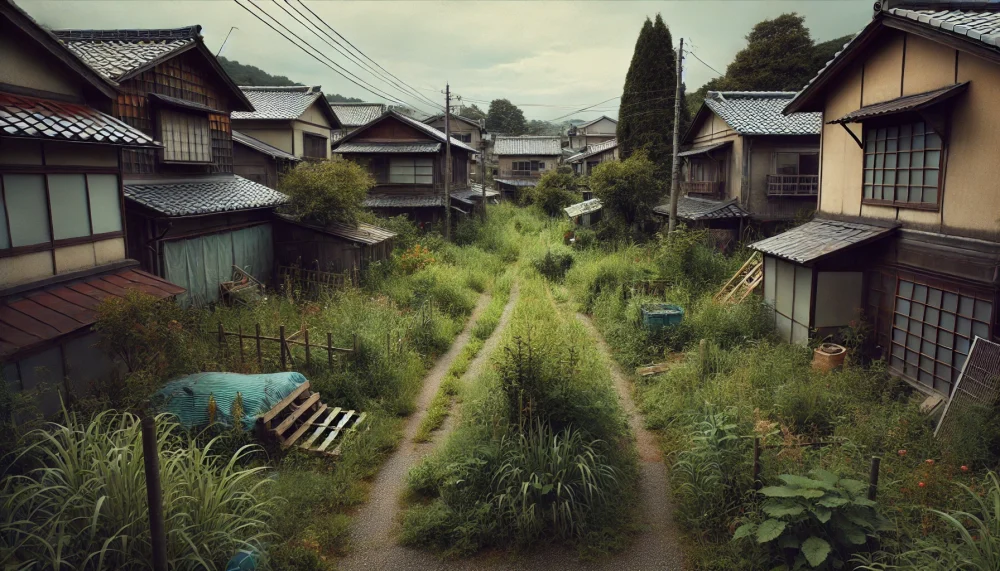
(691, 208)
(528, 145)
(760, 113)
(366, 147)
(116, 53)
(204, 196)
(819, 238)
(380, 201)
(33, 117)
(357, 114)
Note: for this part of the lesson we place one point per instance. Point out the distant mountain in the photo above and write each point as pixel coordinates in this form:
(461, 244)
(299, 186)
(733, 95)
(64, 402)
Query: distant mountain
(244, 74)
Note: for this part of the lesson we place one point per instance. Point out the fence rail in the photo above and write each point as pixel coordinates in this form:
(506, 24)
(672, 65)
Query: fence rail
(284, 343)
(792, 184)
(315, 281)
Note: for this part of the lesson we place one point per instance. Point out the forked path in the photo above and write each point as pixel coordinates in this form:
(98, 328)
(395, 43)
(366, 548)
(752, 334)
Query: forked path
(376, 525)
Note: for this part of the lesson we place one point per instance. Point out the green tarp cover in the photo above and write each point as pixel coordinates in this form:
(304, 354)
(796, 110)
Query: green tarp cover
(187, 397)
(200, 264)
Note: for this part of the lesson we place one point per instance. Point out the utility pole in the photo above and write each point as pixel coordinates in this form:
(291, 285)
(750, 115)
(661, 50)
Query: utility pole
(482, 173)
(447, 162)
(676, 170)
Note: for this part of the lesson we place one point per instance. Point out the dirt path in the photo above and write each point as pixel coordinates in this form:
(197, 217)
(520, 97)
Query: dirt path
(376, 525)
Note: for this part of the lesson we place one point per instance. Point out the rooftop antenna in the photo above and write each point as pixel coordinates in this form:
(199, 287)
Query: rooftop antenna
(226, 40)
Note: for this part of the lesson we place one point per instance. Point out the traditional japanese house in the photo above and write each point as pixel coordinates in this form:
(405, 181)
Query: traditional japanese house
(62, 229)
(741, 147)
(190, 219)
(407, 159)
(583, 163)
(592, 132)
(907, 231)
(521, 161)
(353, 115)
(331, 248)
(468, 131)
(296, 119)
(255, 160)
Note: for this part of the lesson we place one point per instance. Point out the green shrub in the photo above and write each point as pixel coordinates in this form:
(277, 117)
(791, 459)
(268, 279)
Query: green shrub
(554, 266)
(806, 407)
(819, 521)
(326, 191)
(556, 189)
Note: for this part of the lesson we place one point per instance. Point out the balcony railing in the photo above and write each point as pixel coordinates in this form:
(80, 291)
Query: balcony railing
(507, 173)
(707, 188)
(792, 184)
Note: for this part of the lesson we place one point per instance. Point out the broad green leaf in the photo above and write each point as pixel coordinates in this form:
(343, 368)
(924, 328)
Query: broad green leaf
(816, 550)
(803, 482)
(825, 475)
(863, 502)
(787, 492)
(789, 541)
(822, 513)
(852, 533)
(744, 530)
(770, 530)
(854, 486)
(780, 508)
(833, 502)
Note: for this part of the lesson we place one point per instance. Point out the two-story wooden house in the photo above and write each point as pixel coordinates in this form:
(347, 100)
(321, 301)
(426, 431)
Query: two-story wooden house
(740, 148)
(353, 115)
(469, 131)
(296, 119)
(585, 161)
(62, 224)
(189, 218)
(908, 227)
(407, 159)
(521, 161)
(592, 132)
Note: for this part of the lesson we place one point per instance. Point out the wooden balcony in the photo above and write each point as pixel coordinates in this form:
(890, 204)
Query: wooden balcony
(792, 185)
(705, 188)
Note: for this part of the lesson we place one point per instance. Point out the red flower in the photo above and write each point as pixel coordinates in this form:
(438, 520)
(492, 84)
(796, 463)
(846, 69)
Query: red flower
(929, 461)
(965, 468)
(921, 484)
(901, 452)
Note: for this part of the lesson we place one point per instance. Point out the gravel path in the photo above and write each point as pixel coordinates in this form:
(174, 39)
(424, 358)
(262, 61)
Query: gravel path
(373, 536)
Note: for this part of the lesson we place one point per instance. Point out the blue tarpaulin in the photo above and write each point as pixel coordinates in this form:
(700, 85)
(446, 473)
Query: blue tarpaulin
(187, 397)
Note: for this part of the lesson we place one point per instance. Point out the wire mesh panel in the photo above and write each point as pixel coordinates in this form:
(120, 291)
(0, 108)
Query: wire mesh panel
(977, 388)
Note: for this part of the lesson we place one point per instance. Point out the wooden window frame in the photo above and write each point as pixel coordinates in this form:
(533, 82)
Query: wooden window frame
(898, 122)
(160, 123)
(51, 244)
(414, 183)
(315, 138)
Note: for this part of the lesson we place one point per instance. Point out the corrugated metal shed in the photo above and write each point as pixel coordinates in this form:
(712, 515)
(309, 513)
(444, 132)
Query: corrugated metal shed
(36, 118)
(365, 147)
(819, 238)
(585, 207)
(262, 147)
(903, 104)
(528, 145)
(207, 195)
(403, 201)
(692, 208)
(760, 113)
(40, 317)
(705, 149)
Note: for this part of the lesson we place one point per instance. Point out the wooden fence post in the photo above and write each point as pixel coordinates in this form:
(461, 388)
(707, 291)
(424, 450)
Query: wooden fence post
(873, 478)
(154, 494)
(305, 334)
(260, 360)
(329, 349)
(222, 339)
(281, 340)
(756, 462)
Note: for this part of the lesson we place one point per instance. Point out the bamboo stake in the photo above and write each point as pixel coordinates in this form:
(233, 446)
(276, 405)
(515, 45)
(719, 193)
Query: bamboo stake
(222, 339)
(260, 360)
(305, 334)
(240, 332)
(281, 338)
(873, 478)
(329, 349)
(756, 462)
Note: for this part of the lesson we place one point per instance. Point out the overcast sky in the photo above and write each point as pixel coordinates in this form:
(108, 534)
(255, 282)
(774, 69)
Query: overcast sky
(556, 56)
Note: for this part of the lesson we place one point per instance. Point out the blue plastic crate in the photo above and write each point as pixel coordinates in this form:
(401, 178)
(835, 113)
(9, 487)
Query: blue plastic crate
(660, 315)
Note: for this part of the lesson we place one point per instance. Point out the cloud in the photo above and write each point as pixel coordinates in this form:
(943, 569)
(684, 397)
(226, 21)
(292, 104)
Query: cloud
(550, 54)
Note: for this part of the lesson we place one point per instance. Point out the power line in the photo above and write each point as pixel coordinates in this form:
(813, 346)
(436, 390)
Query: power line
(370, 88)
(703, 63)
(356, 49)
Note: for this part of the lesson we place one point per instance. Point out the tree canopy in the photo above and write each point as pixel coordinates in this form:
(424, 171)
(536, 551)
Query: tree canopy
(628, 189)
(556, 190)
(646, 115)
(326, 191)
(473, 112)
(243, 74)
(505, 117)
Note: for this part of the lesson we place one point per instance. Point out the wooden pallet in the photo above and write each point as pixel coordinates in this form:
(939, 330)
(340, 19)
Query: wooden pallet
(302, 420)
(744, 282)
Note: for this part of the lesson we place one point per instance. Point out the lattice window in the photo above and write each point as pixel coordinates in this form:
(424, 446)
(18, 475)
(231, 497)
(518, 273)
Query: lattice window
(411, 170)
(903, 165)
(186, 137)
(315, 147)
(932, 330)
(222, 143)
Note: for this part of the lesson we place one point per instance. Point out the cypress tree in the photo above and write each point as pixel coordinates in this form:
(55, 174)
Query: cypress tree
(646, 115)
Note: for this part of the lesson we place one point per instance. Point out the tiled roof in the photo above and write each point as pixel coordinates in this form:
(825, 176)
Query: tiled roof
(366, 147)
(186, 104)
(286, 102)
(705, 149)
(475, 191)
(426, 129)
(472, 122)
(594, 149)
(585, 207)
(903, 104)
(32, 117)
(819, 238)
(527, 145)
(691, 208)
(592, 121)
(39, 317)
(357, 114)
(262, 147)
(979, 25)
(760, 113)
(116, 54)
(206, 195)
(377, 201)
(517, 181)
(360, 232)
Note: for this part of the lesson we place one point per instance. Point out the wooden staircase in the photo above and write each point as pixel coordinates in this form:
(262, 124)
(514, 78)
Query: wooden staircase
(744, 282)
(302, 420)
